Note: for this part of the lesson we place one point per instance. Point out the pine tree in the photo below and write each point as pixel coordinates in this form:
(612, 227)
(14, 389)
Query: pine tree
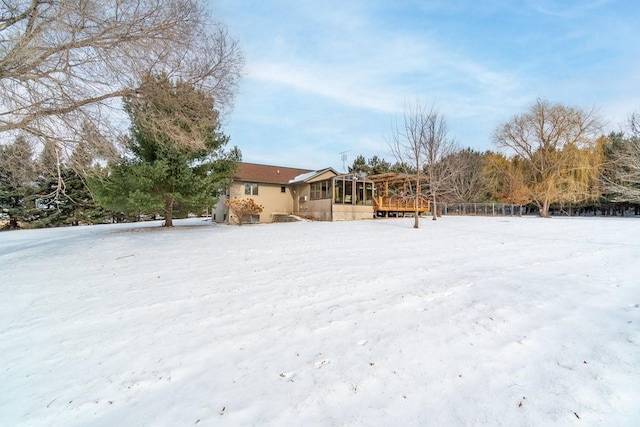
(47, 189)
(359, 166)
(17, 176)
(159, 175)
(378, 165)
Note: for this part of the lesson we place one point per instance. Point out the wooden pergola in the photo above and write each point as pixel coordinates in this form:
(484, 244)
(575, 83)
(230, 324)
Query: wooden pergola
(395, 194)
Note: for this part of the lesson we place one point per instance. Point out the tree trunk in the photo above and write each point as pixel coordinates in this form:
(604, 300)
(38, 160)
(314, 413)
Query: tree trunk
(416, 204)
(434, 209)
(168, 213)
(544, 209)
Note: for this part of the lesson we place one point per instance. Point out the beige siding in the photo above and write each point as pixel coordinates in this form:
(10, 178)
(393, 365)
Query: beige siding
(220, 211)
(301, 199)
(270, 196)
(319, 210)
(352, 212)
(322, 177)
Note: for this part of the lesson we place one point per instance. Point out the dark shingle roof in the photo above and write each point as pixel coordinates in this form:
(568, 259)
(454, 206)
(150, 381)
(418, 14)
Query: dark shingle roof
(252, 172)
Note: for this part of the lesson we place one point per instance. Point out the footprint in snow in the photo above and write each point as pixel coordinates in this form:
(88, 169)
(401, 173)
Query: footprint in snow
(321, 363)
(289, 375)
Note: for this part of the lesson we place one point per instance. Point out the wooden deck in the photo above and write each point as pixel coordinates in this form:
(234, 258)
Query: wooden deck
(387, 203)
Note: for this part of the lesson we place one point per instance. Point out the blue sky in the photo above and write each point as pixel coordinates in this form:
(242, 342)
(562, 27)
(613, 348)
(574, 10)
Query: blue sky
(325, 77)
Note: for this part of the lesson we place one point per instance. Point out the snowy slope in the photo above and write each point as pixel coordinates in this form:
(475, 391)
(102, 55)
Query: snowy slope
(465, 321)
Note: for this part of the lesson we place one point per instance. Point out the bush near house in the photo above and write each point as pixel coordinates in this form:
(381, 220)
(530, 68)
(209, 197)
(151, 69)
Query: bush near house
(243, 208)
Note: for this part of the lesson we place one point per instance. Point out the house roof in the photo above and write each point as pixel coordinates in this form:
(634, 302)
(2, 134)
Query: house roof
(305, 177)
(253, 172)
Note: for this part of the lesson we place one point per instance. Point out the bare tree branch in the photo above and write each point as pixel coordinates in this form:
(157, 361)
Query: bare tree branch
(421, 145)
(556, 153)
(439, 165)
(64, 63)
(623, 178)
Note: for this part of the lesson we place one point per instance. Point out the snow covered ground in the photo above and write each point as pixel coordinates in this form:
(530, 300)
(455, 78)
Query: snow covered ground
(465, 321)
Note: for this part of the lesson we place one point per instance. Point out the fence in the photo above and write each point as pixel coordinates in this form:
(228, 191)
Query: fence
(482, 209)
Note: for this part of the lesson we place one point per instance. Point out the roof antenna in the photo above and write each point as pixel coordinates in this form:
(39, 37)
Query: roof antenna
(343, 156)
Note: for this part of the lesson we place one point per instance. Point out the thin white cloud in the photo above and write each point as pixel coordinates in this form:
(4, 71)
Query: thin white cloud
(402, 67)
(317, 80)
(331, 75)
(566, 9)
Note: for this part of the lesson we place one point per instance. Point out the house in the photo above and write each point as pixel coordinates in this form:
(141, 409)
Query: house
(267, 185)
(323, 195)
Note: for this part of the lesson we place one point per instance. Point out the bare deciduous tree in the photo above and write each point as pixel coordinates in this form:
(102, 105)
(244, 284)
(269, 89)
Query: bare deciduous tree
(634, 125)
(407, 146)
(623, 181)
(555, 147)
(469, 183)
(67, 63)
(439, 150)
(420, 147)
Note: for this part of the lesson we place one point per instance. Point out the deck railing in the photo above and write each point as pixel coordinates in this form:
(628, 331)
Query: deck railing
(386, 203)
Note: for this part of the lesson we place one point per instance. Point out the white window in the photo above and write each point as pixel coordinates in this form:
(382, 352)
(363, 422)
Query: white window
(251, 188)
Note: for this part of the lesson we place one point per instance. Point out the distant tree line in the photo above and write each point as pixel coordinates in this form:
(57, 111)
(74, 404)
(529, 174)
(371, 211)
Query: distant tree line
(147, 174)
(550, 156)
(46, 188)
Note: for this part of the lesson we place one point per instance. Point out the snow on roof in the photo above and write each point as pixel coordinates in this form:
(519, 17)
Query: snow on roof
(303, 177)
(307, 176)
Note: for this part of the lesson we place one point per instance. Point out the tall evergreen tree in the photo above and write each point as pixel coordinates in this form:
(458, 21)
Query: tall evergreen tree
(63, 196)
(378, 165)
(49, 166)
(17, 176)
(159, 175)
(359, 166)
(372, 166)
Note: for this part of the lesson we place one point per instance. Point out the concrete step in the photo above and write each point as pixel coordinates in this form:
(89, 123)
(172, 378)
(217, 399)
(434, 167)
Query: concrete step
(284, 218)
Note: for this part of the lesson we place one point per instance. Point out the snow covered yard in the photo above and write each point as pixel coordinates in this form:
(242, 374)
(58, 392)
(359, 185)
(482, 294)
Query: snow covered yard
(465, 321)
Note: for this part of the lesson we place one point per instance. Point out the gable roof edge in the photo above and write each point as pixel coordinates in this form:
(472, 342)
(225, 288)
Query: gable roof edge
(310, 175)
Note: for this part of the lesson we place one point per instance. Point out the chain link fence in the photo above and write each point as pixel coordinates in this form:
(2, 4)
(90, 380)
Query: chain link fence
(481, 209)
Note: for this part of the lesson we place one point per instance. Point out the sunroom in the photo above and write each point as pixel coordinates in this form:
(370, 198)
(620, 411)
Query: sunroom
(352, 197)
(335, 198)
